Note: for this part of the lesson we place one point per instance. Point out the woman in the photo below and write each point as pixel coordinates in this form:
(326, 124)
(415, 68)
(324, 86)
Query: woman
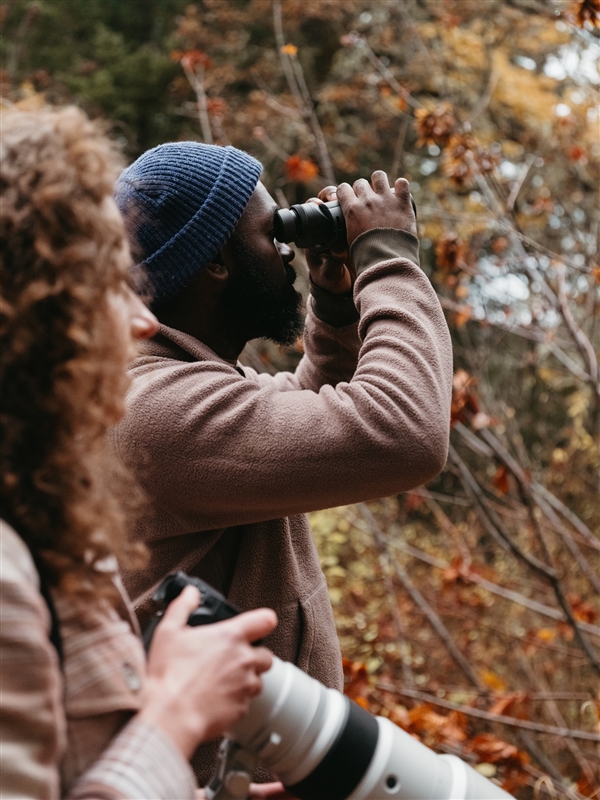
(83, 715)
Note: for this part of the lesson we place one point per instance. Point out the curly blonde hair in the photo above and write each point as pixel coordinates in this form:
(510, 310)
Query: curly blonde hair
(63, 251)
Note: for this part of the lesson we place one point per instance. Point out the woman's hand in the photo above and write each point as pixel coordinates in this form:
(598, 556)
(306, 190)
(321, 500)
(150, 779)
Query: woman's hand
(328, 268)
(201, 680)
(260, 791)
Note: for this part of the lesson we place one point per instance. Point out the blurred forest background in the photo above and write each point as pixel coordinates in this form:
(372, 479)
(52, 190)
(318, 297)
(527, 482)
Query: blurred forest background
(468, 610)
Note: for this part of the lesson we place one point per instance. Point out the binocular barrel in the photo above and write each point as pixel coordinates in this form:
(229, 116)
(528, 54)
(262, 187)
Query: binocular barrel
(314, 224)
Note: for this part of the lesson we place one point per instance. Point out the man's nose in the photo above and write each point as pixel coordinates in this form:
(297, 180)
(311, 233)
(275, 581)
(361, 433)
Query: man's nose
(285, 251)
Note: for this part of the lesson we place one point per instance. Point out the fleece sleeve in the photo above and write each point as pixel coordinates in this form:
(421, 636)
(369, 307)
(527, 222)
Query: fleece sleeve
(215, 448)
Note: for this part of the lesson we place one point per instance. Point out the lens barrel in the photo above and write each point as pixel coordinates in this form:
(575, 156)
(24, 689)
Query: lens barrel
(322, 746)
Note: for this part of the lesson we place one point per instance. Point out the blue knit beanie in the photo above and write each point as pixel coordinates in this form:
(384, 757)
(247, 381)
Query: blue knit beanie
(181, 202)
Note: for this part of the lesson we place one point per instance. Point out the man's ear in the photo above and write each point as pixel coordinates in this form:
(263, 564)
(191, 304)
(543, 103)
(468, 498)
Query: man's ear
(217, 267)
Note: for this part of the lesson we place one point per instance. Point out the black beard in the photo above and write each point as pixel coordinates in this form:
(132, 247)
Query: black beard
(255, 307)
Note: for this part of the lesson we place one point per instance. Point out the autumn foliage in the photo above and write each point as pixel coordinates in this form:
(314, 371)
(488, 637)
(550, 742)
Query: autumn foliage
(468, 610)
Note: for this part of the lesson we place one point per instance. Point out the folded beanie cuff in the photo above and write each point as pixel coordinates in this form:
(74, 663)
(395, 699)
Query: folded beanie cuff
(175, 264)
(181, 202)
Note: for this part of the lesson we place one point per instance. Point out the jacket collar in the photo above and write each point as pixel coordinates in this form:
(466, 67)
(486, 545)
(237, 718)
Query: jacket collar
(171, 343)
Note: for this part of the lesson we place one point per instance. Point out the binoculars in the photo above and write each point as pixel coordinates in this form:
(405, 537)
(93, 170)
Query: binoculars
(314, 225)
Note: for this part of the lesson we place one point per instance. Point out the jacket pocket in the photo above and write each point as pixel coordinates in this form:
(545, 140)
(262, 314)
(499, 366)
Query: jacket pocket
(104, 669)
(319, 650)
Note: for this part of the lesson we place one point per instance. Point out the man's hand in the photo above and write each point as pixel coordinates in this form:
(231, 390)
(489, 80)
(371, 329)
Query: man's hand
(328, 268)
(367, 207)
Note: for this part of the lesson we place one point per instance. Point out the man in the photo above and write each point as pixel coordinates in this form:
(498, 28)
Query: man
(231, 460)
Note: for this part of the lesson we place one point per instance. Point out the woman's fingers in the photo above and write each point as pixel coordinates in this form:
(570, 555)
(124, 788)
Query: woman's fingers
(274, 791)
(254, 625)
(179, 610)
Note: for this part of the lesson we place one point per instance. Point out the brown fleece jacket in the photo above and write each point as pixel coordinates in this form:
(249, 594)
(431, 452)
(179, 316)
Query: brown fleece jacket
(231, 460)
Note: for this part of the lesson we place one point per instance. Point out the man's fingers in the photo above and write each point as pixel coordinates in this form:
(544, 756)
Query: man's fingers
(345, 194)
(380, 182)
(256, 624)
(402, 188)
(328, 193)
(361, 186)
(180, 609)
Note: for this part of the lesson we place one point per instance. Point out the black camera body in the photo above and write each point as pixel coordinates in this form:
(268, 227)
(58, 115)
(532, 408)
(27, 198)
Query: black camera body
(213, 606)
(314, 225)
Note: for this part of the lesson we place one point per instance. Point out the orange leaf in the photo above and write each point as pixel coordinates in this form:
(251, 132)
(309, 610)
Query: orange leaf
(463, 315)
(289, 49)
(412, 502)
(300, 169)
(546, 634)
(447, 729)
(435, 127)
(190, 59)
(464, 399)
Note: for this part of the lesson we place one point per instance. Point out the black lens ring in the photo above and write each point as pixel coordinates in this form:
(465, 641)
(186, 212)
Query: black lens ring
(347, 761)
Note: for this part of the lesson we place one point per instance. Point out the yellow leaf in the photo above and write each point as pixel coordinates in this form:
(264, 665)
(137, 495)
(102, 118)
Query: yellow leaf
(492, 681)
(546, 634)
(289, 49)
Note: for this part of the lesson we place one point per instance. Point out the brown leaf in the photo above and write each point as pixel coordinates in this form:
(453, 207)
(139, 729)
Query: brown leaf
(492, 750)
(587, 11)
(464, 399)
(450, 252)
(356, 679)
(500, 480)
(511, 705)
(435, 127)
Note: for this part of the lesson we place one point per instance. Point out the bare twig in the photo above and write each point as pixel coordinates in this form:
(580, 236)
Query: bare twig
(525, 486)
(546, 570)
(399, 148)
(582, 342)
(518, 184)
(297, 84)
(514, 722)
(196, 80)
(485, 98)
(473, 577)
(553, 709)
(376, 62)
(433, 618)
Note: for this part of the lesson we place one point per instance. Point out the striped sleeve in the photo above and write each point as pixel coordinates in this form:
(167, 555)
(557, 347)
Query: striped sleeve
(141, 763)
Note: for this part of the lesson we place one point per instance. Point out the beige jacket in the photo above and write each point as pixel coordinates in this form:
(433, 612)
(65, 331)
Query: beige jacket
(66, 729)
